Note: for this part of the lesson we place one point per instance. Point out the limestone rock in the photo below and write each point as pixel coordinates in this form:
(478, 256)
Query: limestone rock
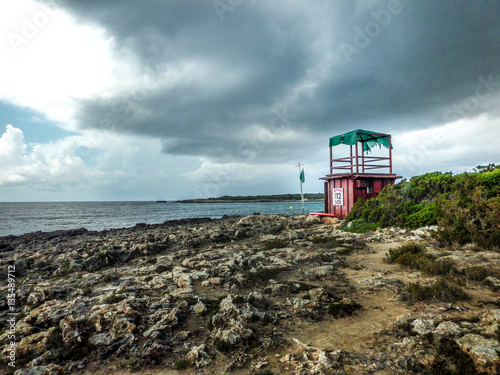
(198, 356)
(483, 351)
(447, 329)
(41, 370)
(423, 326)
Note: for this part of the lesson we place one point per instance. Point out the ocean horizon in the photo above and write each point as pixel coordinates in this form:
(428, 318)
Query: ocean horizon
(17, 218)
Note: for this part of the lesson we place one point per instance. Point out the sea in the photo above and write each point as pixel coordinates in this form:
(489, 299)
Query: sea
(26, 217)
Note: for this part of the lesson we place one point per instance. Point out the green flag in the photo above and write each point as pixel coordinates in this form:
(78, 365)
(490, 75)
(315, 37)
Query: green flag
(302, 176)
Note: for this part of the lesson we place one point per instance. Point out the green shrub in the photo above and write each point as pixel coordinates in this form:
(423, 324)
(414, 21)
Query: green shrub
(330, 242)
(344, 251)
(343, 309)
(441, 290)
(477, 273)
(162, 268)
(114, 298)
(278, 243)
(222, 346)
(465, 206)
(427, 215)
(54, 339)
(263, 372)
(409, 248)
(182, 364)
(239, 300)
(450, 355)
(134, 363)
(261, 274)
(413, 255)
(359, 226)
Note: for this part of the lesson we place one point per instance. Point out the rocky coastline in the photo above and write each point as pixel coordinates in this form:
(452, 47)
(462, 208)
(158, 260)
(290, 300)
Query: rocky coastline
(245, 295)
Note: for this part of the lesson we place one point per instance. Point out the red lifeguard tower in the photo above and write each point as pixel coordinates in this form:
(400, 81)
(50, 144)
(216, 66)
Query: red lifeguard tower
(349, 179)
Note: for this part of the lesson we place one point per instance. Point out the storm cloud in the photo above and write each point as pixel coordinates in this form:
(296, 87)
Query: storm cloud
(219, 79)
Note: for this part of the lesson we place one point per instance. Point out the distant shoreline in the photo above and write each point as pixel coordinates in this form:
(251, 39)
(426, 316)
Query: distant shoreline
(244, 201)
(314, 197)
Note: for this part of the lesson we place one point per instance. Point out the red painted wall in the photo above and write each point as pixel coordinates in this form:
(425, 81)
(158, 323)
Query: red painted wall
(353, 189)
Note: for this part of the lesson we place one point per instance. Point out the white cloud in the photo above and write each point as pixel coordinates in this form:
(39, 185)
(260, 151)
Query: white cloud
(457, 147)
(48, 60)
(91, 166)
(52, 164)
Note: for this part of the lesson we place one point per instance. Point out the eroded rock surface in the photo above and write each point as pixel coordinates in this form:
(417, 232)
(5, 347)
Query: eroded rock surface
(255, 293)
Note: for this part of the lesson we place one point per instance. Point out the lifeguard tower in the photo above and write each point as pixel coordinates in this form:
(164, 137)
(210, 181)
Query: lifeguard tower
(351, 178)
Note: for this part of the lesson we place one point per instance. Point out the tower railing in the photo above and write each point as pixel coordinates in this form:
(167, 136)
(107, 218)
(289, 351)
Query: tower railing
(358, 162)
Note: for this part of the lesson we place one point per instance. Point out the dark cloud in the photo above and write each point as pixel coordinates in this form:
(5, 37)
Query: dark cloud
(334, 66)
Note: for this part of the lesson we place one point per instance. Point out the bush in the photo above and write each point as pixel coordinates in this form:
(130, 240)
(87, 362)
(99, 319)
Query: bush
(182, 364)
(261, 274)
(222, 346)
(465, 206)
(275, 244)
(359, 226)
(426, 215)
(342, 309)
(410, 248)
(476, 273)
(163, 268)
(114, 298)
(329, 242)
(450, 355)
(441, 290)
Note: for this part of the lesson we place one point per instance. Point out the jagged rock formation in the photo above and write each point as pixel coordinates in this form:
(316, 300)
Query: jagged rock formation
(285, 293)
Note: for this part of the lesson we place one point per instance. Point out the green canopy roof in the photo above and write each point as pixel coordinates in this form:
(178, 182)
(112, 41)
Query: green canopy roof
(368, 138)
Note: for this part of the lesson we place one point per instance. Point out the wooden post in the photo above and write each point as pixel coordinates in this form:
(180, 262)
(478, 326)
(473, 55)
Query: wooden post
(357, 158)
(363, 157)
(331, 160)
(390, 155)
(351, 160)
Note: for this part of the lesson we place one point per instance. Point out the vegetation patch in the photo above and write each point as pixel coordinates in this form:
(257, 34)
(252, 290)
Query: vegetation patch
(134, 363)
(278, 243)
(222, 346)
(163, 268)
(343, 308)
(358, 225)
(452, 360)
(149, 262)
(261, 274)
(182, 364)
(465, 206)
(440, 290)
(476, 273)
(114, 297)
(263, 372)
(414, 255)
(330, 242)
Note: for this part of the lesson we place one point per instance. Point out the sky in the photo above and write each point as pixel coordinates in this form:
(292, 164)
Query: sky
(177, 99)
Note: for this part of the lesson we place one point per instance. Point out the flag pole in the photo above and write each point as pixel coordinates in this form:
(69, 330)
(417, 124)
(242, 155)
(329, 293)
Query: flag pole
(301, 192)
